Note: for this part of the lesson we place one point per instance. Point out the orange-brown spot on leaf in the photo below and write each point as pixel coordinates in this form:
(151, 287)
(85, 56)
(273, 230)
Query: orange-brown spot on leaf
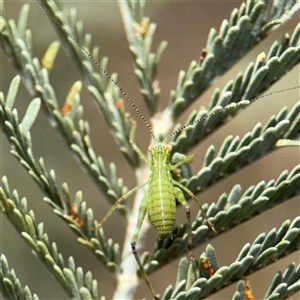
(66, 108)
(141, 29)
(74, 215)
(119, 104)
(202, 56)
(248, 291)
(207, 267)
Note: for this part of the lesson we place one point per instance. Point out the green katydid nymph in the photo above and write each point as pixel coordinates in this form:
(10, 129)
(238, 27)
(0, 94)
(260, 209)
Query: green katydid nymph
(159, 202)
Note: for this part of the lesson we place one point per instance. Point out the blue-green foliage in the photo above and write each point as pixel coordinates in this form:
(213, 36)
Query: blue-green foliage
(246, 27)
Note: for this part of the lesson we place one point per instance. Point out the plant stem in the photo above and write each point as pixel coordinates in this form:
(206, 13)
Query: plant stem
(128, 279)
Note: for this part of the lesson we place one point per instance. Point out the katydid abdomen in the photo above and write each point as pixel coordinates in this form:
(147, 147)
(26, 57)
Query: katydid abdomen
(161, 203)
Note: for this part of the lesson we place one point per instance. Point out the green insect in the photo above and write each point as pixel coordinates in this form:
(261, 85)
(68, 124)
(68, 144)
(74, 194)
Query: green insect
(160, 200)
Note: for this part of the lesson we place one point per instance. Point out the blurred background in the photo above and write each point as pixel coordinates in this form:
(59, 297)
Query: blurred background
(185, 26)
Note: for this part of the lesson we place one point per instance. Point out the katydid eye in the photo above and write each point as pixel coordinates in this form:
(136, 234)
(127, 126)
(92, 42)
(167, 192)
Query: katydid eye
(150, 148)
(168, 148)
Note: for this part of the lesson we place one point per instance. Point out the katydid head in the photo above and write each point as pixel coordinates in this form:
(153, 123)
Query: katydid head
(160, 151)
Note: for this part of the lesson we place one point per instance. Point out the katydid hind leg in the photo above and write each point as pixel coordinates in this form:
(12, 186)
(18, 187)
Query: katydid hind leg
(190, 193)
(180, 197)
(141, 216)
